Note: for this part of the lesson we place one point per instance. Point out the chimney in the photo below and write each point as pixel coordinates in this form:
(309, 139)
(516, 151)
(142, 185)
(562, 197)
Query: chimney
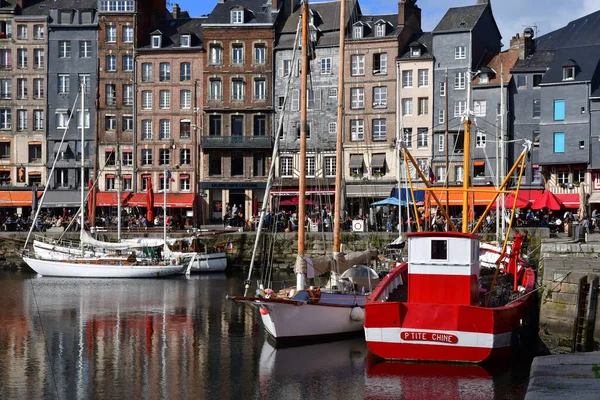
(20, 3)
(524, 43)
(274, 5)
(175, 12)
(409, 15)
(483, 2)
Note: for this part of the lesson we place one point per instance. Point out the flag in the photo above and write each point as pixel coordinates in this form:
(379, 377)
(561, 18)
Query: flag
(431, 176)
(170, 176)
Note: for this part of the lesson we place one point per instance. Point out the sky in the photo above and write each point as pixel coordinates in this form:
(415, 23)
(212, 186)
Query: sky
(512, 16)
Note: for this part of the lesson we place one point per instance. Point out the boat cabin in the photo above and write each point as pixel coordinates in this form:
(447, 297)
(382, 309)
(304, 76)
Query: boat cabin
(443, 268)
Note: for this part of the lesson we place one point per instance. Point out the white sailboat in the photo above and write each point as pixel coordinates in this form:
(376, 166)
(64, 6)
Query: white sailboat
(309, 312)
(88, 264)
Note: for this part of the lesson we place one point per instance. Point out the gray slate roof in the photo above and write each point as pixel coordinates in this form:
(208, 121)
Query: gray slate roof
(172, 29)
(257, 12)
(43, 7)
(539, 61)
(460, 19)
(369, 23)
(581, 32)
(425, 39)
(587, 59)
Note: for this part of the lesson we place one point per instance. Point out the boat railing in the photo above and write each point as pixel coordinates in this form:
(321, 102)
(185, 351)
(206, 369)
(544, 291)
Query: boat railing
(54, 241)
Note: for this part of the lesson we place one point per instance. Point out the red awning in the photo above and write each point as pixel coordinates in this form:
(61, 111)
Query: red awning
(174, 200)
(569, 200)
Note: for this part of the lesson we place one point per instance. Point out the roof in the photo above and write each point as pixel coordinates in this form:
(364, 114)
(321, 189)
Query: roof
(370, 21)
(257, 12)
(425, 40)
(172, 29)
(460, 19)
(586, 58)
(507, 59)
(43, 7)
(581, 32)
(538, 61)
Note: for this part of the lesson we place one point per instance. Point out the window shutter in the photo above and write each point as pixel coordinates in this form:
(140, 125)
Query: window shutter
(295, 100)
(317, 99)
(281, 68)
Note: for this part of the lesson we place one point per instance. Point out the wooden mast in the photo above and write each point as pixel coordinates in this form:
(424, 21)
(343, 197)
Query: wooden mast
(466, 158)
(339, 168)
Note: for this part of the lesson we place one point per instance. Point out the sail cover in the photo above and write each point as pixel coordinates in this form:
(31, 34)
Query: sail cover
(125, 244)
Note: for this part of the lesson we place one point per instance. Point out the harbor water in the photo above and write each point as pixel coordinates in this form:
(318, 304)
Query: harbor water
(64, 338)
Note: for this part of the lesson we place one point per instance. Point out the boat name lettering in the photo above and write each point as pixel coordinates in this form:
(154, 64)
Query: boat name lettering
(429, 337)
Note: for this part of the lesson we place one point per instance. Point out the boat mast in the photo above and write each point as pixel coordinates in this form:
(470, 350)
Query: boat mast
(339, 143)
(466, 158)
(399, 138)
(82, 183)
(165, 246)
(301, 272)
(502, 149)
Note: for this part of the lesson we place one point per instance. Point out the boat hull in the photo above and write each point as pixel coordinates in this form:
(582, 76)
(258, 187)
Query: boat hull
(210, 262)
(98, 270)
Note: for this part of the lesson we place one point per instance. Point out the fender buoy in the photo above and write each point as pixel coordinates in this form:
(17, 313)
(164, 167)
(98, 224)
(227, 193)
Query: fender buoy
(357, 314)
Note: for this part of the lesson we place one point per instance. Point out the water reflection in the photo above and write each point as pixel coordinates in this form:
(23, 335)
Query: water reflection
(180, 338)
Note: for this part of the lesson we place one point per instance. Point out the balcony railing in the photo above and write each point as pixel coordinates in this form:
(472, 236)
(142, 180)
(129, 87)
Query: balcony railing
(252, 142)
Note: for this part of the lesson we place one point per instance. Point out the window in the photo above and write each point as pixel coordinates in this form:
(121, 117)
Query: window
(185, 71)
(332, 128)
(379, 129)
(146, 129)
(441, 116)
(559, 142)
(380, 64)
(423, 106)
(185, 157)
(380, 30)
(214, 164)
(562, 177)
(214, 125)
(237, 89)
(326, 65)
(127, 123)
(358, 65)
(22, 120)
(22, 58)
(423, 78)
(111, 94)
(165, 99)
(165, 129)
(111, 33)
(165, 72)
(357, 96)
(407, 137)
(237, 125)
(332, 93)
(110, 123)
(422, 134)
(110, 157)
(62, 120)
(64, 49)
(380, 96)
(5, 59)
(237, 16)
(156, 41)
(38, 32)
(146, 100)
(128, 34)
(357, 32)
(578, 176)
(415, 51)
(128, 62)
(459, 173)
(5, 88)
(459, 80)
(215, 54)
(407, 79)
(537, 108)
(184, 183)
(237, 164)
(442, 143)
(329, 166)
(38, 88)
(460, 107)
(185, 129)
(110, 182)
(357, 130)
(86, 118)
(260, 54)
(286, 168)
(128, 94)
(64, 84)
(38, 120)
(407, 106)
(537, 80)
(260, 125)
(237, 54)
(480, 139)
(568, 73)
(164, 157)
(5, 151)
(35, 152)
(440, 174)
(146, 156)
(559, 110)
(480, 108)
(536, 174)
(185, 41)
(111, 63)
(22, 32)
(38, 59)
(85, 49)
(460, 53)
(260, 89)
(521, 81)
(185, 99)
(442, 89)
(286, 67)
(484, 78)
(146, 72)
(215, 90)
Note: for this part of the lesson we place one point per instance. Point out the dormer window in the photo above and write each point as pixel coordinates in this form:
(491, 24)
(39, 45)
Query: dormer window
(237, 16)
(313, 36)
(156, 41)
(380, 30)
(357, 33)
(185, 40)
(415, 52)
(484, 78)
(569, 73)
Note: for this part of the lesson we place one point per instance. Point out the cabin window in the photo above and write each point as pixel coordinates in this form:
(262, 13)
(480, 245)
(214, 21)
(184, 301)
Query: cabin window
(439, 249)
